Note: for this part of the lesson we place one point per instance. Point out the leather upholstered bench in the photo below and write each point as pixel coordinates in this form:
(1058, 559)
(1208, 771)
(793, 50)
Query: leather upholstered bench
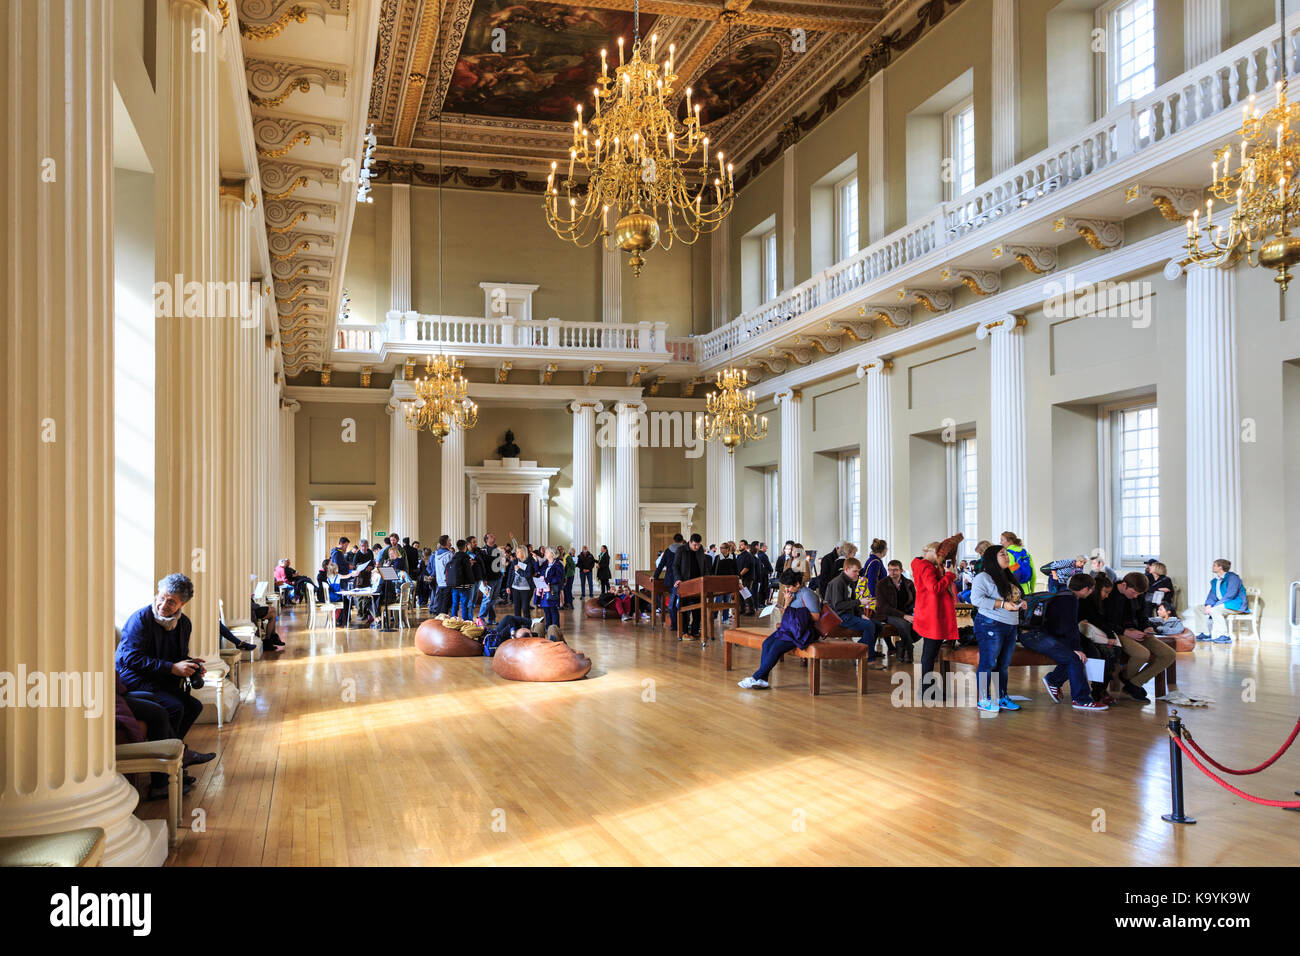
(827, 648)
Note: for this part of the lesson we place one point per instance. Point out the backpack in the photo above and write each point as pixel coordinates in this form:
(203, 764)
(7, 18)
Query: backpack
(1021, 566)
(1036, 612)
(490, 643)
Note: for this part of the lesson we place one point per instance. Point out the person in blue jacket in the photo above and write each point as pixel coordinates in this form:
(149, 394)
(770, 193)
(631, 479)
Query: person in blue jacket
(153, 658)
(551, 596)
(1227, 596)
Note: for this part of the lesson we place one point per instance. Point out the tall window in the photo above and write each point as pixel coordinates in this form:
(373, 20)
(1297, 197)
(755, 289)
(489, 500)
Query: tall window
(772, 508)
(851, 498)
(959, 130)
(1135, 493)
(846, 218)
(968, 494)
(1130, 50)
(769, 266)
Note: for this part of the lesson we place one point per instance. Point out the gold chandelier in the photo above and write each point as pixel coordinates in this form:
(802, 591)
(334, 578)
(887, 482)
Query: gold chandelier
(637, 155)
(1263, 187)
(730, 417)
(441, 399)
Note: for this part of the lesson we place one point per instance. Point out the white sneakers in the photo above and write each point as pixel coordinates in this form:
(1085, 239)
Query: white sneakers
(753, 683)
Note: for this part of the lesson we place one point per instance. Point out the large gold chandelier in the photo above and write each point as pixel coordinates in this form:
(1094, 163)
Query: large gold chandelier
(441, 399)
(1263, 187)
(730, 417)
(637, 156)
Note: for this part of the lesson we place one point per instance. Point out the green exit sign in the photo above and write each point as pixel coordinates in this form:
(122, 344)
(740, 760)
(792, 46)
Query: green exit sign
(381, 534)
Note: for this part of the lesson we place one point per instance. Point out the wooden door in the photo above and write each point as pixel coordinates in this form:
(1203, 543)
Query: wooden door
(661, 536)
(506, 516)
(340, 529)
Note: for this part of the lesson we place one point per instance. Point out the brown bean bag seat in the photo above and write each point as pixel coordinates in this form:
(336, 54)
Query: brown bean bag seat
(537, 659)
(591, 607)
(437, 640)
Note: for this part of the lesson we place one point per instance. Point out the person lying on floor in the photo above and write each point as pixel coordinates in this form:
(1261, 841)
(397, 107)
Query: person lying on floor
(797, 629)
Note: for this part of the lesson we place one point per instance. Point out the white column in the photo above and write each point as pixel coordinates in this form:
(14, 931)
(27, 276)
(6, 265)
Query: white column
(1213, 426)
(1008, 463)
(57, 762)
(266, 452)
(400, 263)
(404, 465)
(235, 464)
(788, 188)
(627, 492)
(712, 496)
(726, 494)
(876, 186)
(611, 286)
(607, 494)
(791, 467)
(453, 486)
(720, 248)
(288, 547)
(1205, 24)
(584, 473)
(878, 456)
(1005, 84)
(188, 355)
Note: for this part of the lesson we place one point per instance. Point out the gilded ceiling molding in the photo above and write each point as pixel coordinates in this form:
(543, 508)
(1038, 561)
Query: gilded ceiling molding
(270, 132)
(280, 178)
(979, 281)
(1039, 260)
(507, 180)
(894, 316)
(281, 243)
(932, 300)
(280, 212)
(858, 332)
(306, 265)
(269, 31)
(1100, 234)
(1176, 203)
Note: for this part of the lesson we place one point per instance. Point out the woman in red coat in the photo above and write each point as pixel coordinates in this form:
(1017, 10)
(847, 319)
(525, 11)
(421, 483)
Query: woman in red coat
(935, 617)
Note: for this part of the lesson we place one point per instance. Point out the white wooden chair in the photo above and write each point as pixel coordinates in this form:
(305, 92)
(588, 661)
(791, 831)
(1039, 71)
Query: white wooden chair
(399, 608)
(230, 656)
(1249, 616)
(316, 607)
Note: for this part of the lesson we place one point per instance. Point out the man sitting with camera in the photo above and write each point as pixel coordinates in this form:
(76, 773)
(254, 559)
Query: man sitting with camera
(153, 658)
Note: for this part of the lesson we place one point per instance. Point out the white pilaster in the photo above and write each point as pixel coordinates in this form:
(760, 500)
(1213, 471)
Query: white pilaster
(188, 355)
(584, 473)
(266, 452)
(606, 494)
(791, 467)
(611, 286)
(876, 191)
(1205, 25)
(878, 455)
(1008, 462)
(712, 495)
(57, 762)
(453, 487)
(726, 465)
(399, 281)
(236, 463)
(1005, 84)
(788, 188)
(720, 249)
(1213, 426)
(627, 492)
(404, 465)
(288, 547)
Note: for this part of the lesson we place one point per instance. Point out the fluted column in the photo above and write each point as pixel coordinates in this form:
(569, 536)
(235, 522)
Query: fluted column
(188, 354)
(57, 761)
(791, 473)
(400, 260)
(404, 465)
(1005, 84)
(266, 450)
(584, 473)
(1213, 426)
(606, 494)
(722, 484)
(288, 548)
(720, 248)
(627, 492)
(1008, 461)
(1204, 27)
(453, 485)
(235, 465)
(789, 194)
(611, 286)
(878, 455)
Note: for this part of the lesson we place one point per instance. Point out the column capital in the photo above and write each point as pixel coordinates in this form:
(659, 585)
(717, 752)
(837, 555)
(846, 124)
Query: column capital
(578, 404)
(401, 391)
(875, 367)
(623, 408)
(787, 395)
(1008, 323)
(233, 191)
(293, 406)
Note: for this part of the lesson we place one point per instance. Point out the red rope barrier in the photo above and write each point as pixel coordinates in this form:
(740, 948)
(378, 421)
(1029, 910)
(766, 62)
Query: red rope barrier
(1264, 766)
(1287, 804)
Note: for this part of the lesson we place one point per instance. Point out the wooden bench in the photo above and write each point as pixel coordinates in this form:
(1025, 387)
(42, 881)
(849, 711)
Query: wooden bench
(816, 652)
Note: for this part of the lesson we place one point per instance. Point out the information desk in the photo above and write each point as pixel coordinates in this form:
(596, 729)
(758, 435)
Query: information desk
(700, 593)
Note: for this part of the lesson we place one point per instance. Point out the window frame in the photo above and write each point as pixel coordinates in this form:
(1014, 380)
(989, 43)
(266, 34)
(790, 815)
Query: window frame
(1107, 17)
(952, 190)
(850, 504)
(842, 251)
(1111, 480)
(959, 508)
(772, 504)
(769, 273)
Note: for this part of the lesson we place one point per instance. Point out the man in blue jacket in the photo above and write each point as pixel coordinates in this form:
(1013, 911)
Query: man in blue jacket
(667, 569)
(1227, 596)
(438, 568)
(153, 658)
